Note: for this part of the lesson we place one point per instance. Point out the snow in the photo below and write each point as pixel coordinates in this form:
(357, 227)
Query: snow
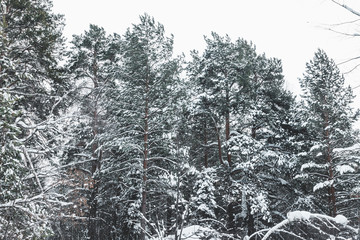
(298, 216)
(340, 219)
(283, 182)
(303, 175)
(305, 216)
(316, 147)
(344, 169)
(303, 154)
(352, 148)
(356, 190)
(260, 204)
(319, 154)
(312, 165)
(193, 232)
(322, 185)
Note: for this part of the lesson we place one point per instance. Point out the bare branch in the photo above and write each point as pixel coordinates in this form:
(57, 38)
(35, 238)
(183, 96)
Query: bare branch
(347, 8)
(344, 23)
(345, 34)
(27, 157)
(349, 60)
(352, 69)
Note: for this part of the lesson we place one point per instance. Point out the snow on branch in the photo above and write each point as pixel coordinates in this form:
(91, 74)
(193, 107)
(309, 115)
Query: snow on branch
(355, 147)
(302, 216)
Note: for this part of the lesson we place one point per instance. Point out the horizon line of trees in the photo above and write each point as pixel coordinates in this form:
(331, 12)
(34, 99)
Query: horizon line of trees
(127, 141)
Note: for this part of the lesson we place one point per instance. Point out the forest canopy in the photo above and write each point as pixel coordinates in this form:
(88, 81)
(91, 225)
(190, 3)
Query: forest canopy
(115, 137)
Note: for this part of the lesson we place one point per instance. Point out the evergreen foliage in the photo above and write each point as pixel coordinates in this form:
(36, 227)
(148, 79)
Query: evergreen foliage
(121, 143)
(328, 118)
(30, 89)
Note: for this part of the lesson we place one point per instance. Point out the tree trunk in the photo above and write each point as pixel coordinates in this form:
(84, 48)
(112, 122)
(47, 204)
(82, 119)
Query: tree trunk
(227, 135)
(205, 145)
(93, 226)
(219, 144)
(227, 120)
(95, 164)
(250, 218)
(177, 213)
(332, 199)
(145, 164)
(250, 221)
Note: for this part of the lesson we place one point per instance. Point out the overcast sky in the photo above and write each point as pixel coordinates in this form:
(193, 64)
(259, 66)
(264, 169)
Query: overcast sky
(291, 30)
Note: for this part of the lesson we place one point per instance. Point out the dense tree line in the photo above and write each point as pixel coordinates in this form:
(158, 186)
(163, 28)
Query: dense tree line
(127, 141)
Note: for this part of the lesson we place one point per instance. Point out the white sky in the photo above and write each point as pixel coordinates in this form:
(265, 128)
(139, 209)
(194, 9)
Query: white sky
(290, 30)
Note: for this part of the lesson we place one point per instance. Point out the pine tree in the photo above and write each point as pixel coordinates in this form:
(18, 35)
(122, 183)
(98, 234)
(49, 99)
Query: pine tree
(328, 119)
(140, 109)
(223, 76)
(242, 90)
(91, 64)
(30, 88)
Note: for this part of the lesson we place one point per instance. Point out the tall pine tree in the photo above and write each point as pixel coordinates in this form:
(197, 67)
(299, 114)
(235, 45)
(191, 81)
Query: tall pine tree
(91, 64)
(30, 87)
(328, 119)
(140, 109)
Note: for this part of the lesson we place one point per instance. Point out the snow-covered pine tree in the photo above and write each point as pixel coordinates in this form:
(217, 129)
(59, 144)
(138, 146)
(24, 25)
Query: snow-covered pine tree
(14, 208)
(90, 66)
(259, 146)
(30, 39)
(222, 79)
(140, 110)
(223, 76)
(348, 186)
(328, 117)
(242, 91)
(205, 142)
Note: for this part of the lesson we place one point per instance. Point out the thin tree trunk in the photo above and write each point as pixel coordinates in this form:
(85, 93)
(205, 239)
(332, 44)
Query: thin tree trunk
(227, 118)
(250, 218)
(219, 144)
(205, 145)
(93, 225)
(3, 34)
(332, 199)
(145, 164)
(227, 135)
(253, 132)
(250, 222)
(177, 217)
(169, 214)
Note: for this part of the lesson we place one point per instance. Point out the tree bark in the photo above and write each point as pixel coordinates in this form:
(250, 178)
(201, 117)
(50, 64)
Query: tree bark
(332, 198)
(227, 119)
(92, 227)
(250, 218)
(145, 163)
(205, 145)
(227, 135)
(219, 144)
(95, 163)
(250, 222)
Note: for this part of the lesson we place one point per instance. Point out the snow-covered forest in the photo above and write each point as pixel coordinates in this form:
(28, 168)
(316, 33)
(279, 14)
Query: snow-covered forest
(114, 137)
